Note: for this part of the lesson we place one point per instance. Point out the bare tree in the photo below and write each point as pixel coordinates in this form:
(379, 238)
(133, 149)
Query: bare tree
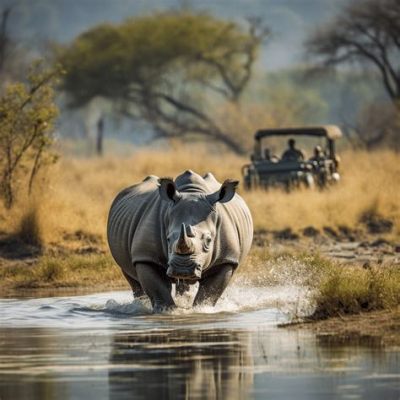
(376, 123)
(367, 32)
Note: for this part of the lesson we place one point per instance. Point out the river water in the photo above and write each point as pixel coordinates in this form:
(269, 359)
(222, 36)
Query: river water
(108, 345)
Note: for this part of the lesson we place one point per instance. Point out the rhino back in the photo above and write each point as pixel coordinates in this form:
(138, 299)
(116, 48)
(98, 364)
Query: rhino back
(135, 224)
(235, 232)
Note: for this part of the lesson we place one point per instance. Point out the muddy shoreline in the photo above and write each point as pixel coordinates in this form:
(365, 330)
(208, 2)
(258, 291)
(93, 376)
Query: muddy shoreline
(380, 328)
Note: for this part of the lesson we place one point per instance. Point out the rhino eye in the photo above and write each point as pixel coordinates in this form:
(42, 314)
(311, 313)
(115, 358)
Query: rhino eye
(207, 242)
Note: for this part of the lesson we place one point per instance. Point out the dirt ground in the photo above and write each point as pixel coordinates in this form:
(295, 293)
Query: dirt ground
(343, 244)
(366, 245)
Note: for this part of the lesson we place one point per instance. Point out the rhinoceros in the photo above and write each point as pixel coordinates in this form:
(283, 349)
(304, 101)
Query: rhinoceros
(162, 231)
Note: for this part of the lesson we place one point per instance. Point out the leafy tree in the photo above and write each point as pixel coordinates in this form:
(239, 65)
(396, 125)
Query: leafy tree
(367, 32)
(27, 114)
(164, 68)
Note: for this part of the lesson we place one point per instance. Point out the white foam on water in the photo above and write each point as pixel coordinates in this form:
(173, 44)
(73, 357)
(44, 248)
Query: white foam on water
(112, 309)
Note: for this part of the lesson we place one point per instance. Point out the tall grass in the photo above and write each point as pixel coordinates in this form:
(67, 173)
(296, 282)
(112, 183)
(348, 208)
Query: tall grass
(80, 191)
(369, 183)
(354, 289)
(334, 289)
(29, 227)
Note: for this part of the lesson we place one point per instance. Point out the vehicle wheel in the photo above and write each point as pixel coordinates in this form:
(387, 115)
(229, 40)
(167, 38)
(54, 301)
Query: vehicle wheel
(254, 181)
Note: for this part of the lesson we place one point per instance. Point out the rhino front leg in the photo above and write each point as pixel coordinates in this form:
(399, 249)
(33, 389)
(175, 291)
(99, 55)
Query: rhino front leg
(135, 285)
(212, 287)
(156, 286)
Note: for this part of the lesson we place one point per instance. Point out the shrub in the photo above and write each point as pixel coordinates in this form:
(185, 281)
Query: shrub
(27, 114)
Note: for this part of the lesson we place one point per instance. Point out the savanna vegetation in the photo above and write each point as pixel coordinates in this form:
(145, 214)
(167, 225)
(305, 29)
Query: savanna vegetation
(68, 217)
(189, 77)
(27, 115)
(79, 191)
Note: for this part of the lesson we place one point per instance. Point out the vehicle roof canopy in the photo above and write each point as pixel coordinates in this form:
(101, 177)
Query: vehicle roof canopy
(332, 132)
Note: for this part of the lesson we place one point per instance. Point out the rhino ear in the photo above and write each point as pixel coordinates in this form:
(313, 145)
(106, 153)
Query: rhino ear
(225, 193)
(168, 190)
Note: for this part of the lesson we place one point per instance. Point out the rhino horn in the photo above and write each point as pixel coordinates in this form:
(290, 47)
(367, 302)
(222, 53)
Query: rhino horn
(184, 245)
(190, 231)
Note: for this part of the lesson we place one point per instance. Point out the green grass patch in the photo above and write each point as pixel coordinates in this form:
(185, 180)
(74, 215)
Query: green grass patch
(70, 271)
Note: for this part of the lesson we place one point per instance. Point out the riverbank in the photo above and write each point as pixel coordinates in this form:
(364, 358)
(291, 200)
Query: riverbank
(348, 275)
(355, 289)
(83, 260)
(377, 328)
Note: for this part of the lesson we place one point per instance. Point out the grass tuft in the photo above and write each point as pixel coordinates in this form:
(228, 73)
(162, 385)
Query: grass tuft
(69, 271)
(50, 270)
(353, 289)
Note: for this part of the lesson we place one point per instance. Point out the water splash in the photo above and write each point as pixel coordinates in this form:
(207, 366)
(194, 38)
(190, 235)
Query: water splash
(271, 288)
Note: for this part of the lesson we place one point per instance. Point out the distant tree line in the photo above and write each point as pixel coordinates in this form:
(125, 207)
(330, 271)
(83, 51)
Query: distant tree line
(188, 74)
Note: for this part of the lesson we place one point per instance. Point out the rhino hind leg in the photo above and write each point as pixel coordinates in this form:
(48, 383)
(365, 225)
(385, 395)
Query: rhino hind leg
(156, 286)
(135, 285)
(212, 287)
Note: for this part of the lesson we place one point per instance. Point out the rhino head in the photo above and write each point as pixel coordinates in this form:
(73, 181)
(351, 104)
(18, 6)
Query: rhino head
(191, 227)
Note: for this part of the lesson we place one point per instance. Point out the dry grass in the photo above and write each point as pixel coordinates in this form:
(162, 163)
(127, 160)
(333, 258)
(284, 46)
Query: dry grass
(335, 289)
(369, 183)
(78, 194)
(29, 227)
(354, 289)
(71, 271)
(80, 191)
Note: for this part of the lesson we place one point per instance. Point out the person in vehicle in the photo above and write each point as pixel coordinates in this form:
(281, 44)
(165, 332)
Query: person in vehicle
(292, 154)
(319, 155)
(269, 156)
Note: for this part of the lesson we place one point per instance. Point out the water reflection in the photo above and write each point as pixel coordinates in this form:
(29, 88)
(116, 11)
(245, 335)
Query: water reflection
(189, 361)
(15, 358)
(104, 346)
(182, 364)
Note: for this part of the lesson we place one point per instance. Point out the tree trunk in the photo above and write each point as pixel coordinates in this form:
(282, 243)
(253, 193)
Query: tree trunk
(7, 190)
(99, 138)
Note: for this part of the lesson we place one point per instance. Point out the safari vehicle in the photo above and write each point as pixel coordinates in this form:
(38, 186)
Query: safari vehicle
(267, 170)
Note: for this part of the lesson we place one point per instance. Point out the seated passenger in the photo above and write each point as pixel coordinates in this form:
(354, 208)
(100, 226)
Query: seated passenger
(319, 155)
(268, 156)
(292, 154)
